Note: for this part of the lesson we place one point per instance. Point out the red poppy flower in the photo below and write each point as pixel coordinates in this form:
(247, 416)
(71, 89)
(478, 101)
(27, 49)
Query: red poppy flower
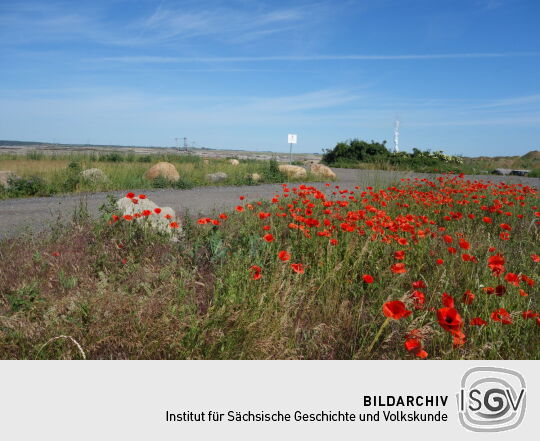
(142, 196)
(496, 264)
(146, 212)
(522, 293)
(202, 221)
(223, 216)
(449, 319)
(396, 310)
(398, 268)
(419, 284)
(414, 346)
(174, 225)
(487, 220)
(168, 216)
(439, 261)
(512, 278)
(506, 227)
(239, 208)
(130, 195)
(468, 297)
(284, 256)
(115, 218)
(333, 242)
(127, 217)
(504, 236)
(447, 238)
(157, 210)
(501, 315)
(297, 268)
(367, 278)
(256, 272)
(477, 321)
(463, 244)
(268, 237)
(447, 300)
(529, 314)
(527, 280)
(399, 255)
(452, 250)
(242, 198)
(419, 299)
(500, 290)
(535, 258)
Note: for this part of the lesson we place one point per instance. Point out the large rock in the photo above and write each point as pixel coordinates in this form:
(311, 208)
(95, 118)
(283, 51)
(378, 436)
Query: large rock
(293, 171)
(4, 177)
(139, 208)
(234, 162)
(165, 170)
(255, 177)
(217, 177)
(94, 175)
(323, 171)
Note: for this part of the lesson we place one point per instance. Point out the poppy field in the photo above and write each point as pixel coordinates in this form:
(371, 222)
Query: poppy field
(439, 268)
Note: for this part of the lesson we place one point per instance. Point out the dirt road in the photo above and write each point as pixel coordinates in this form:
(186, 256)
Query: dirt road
(37, 214)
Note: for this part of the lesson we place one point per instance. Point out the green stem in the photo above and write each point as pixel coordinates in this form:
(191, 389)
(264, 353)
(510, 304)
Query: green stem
(379, 332)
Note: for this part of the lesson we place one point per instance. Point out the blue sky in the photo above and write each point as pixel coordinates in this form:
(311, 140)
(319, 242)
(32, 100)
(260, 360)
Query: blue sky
(461, 75)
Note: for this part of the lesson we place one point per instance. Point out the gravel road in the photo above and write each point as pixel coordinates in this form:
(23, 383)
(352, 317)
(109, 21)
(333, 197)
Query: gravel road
(37, 214)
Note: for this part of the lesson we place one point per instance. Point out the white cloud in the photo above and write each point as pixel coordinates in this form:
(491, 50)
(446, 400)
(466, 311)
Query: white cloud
(299, 58)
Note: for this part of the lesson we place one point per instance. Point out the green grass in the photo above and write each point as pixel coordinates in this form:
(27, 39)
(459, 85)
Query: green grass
(122, 291)
(45, 175)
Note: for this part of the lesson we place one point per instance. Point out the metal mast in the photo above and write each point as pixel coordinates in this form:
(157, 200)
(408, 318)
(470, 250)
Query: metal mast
(396, 137)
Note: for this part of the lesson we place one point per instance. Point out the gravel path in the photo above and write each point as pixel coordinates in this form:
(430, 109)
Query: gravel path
(35, 214)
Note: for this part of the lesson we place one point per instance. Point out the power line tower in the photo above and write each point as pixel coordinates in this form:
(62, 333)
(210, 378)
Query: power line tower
(176, 141)
(396, 137)
(185, 144)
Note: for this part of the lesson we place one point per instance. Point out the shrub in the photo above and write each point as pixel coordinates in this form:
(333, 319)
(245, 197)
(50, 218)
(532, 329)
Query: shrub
(32, 186)
(272, 173)
(111, 157)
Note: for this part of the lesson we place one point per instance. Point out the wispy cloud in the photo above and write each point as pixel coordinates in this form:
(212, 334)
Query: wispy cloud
(224, 22)
(359, 57)
(515, 101)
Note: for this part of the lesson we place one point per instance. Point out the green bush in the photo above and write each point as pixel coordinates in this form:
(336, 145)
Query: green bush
(352, 153)
(181, 184)
(271, 173)
(32, 186)
(111, 157)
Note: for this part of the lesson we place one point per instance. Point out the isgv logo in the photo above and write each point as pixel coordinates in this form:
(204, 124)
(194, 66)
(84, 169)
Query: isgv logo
(491, 399)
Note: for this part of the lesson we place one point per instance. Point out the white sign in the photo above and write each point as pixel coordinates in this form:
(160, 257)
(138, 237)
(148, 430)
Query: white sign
(292, 138)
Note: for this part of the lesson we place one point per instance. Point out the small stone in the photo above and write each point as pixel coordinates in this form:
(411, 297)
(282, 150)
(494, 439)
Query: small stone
(217, 177)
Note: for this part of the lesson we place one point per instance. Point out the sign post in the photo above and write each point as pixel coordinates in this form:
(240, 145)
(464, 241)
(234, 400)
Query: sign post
(292, 140)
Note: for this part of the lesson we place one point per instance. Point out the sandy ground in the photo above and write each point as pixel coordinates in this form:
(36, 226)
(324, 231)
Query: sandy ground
(38, 214)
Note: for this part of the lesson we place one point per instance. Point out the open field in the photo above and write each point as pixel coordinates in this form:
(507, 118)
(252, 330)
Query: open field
(439, 267)
(46, 175)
